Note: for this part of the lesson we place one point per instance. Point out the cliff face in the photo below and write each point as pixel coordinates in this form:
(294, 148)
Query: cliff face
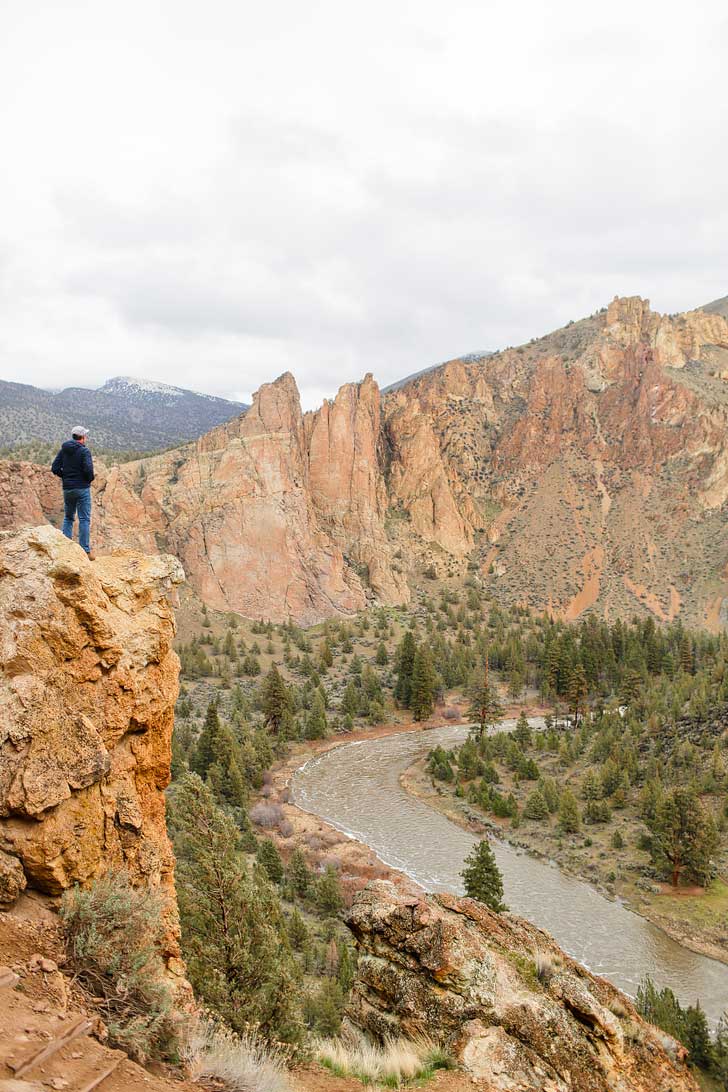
(591, 464)
(451, 969)
(585, 470)
(275, 515)
(88, 682)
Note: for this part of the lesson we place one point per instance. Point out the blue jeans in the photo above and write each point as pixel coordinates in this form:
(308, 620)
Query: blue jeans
(78, 501)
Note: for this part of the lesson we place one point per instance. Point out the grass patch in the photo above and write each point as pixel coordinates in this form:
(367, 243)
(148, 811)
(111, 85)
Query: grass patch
(394, 1064)
(245, 1063)
(707, 910)
(527, 969)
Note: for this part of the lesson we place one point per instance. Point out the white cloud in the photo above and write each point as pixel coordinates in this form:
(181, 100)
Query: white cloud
(212, 194)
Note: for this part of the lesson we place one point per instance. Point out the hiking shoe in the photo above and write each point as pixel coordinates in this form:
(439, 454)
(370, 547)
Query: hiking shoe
(91, 555)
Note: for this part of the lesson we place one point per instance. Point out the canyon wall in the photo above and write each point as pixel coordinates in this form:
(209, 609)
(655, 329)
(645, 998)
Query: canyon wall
(587, 470)
(88, 683)
(514, 1010)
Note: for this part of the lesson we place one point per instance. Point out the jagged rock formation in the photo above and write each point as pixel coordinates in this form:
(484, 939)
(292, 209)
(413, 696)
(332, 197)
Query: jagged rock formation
(516, 1012)
(88, 682)
(258, 510)
(585, 471)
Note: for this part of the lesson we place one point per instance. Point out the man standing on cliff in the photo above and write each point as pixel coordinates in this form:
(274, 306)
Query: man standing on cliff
(74, 465)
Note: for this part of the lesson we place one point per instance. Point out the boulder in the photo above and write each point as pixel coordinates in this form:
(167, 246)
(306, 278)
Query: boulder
(512, 1008)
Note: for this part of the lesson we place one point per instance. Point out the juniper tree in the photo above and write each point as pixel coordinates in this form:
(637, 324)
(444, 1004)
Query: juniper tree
(234, 937)
(482, 878)
(205, 750)
(299, 874)
(328, 892)
(276, 699)
(269, 858)
(316, 723)
(569, 818)
(535, 806)
(684, 837)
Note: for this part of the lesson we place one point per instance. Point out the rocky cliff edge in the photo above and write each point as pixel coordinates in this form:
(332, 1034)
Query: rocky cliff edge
(513, 1009)
(88, 682)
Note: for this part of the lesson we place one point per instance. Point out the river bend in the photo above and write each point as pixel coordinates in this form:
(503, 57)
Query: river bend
(355, 788)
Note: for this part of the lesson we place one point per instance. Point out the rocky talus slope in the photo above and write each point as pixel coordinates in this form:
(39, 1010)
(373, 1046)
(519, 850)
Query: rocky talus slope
(88, 682)
(517, 1013)
(587, 470)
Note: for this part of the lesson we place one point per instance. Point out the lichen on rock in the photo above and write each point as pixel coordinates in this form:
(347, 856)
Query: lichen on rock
(514, 1010)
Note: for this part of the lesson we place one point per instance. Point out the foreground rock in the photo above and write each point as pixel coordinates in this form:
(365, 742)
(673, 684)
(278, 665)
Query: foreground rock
(517, 1013)
(88, 682)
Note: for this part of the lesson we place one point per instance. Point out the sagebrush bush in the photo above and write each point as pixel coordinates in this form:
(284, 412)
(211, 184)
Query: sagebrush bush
(113, 936)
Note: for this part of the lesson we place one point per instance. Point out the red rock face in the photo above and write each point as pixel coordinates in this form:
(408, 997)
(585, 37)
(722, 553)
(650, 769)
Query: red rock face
(586, 470)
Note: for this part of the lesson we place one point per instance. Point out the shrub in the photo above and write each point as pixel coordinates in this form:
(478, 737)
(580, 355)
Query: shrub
(268, 816)
(394, 1063)
(113, 936)
(547, 966)
(245, 1063)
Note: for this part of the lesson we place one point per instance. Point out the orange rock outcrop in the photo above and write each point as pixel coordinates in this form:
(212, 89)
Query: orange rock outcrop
(88, 682)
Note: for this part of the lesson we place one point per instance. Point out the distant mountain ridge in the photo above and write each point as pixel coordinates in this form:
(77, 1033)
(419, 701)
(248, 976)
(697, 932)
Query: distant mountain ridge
(125, 413)
(717, 307)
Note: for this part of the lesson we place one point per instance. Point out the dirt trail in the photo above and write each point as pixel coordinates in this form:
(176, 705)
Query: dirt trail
(38, 1008)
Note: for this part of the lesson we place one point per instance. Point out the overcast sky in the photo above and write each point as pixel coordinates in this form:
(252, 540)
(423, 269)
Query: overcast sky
(211, 193)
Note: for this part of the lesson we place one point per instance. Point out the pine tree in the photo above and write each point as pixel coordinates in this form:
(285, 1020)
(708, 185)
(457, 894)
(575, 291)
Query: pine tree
(684, 837)
(569, 819)
(382, 658)
(631, 686)
(276, 699)
(522, 732)
(578, 691)
(481, 877)
(404, 666)
(268, 856)
(424, 685)
(485, 707)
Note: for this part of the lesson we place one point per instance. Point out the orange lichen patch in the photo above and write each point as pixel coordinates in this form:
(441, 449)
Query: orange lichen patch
(651, 601)
(591, 566)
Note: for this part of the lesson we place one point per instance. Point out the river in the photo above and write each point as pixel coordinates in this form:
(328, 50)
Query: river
(355, 788)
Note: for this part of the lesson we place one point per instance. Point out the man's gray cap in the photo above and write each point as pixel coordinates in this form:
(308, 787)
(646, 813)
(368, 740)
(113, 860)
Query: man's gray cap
(79, 430)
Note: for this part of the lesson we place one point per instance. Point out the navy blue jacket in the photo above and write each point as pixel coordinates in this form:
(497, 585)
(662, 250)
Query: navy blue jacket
(74, 464)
